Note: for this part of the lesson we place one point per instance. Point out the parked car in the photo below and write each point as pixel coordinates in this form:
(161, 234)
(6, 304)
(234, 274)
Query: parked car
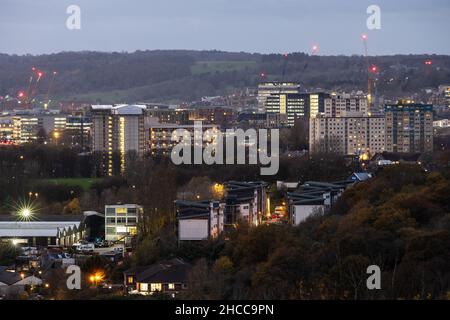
(89, 247)
(102, 244)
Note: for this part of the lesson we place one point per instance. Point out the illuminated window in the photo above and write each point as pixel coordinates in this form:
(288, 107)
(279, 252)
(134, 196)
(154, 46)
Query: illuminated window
(171, 286)
(144, 286)
(130, 280)
(155, 287)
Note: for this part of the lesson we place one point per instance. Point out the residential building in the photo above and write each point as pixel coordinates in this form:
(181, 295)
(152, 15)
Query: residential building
(160, 136)
(200, 220)
(360, 176)
(346, 105)
(362, 136)
(168, 277)
(390, 158)
(121, 222)
(13, 283)
(444, 93)
(409, 127)
(444, 123)
(118, 129)
(221, 116)
(314, 197)
(170, 116)
(245, 202)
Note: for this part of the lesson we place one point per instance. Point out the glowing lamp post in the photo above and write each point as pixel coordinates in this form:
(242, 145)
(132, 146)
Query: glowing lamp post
(25, 213)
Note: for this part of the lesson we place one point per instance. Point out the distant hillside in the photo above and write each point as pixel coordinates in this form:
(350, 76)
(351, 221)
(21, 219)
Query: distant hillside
(178, 75)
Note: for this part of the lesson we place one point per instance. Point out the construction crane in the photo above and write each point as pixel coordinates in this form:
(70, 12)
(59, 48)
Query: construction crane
(372, 69)
(283, 74)
(50, 86)
(364, 39)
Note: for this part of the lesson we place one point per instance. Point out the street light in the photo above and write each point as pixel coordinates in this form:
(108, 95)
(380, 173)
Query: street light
(56, 135)
(96, 277)
(26, 213)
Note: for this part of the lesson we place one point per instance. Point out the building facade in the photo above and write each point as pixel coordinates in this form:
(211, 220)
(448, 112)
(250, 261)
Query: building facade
(121, 222)
(118, 129)
(296, 105)
(409, 127)
(347, 135)
(346, 105)
(199, 220)
(266, 89)
(245, 202)
(160, 136)
(26, 128)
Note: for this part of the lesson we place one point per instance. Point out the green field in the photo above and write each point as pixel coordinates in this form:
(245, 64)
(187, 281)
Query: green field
(84, 183)
(201, 67)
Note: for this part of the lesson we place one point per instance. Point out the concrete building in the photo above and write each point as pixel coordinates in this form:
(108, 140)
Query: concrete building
(245, 202)
(409, 127)
(169, 116)
(26, 128)
(118, 129)
(314, 198)
(347, 135)
(199, 220)
(266, 89)
(77, 130)
(160, 136)
(220, 116)
(260, 120)
(121, 222)
(6, 130)
(296, 105)
(346, 105)
(444, 93)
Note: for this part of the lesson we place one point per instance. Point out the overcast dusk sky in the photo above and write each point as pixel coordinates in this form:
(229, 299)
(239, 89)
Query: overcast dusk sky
(265, 26)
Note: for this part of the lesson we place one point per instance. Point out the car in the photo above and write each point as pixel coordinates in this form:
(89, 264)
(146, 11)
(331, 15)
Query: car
(89, 247)
(102, 244)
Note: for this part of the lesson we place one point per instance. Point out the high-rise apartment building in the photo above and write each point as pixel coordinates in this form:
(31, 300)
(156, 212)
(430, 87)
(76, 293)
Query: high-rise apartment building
(118, 129)
(362, 136)
(347, 127)
(409, 127)
(346, 105)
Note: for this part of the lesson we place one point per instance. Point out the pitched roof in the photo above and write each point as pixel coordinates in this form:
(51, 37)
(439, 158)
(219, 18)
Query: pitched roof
(360, 176)
(42, 226)
(167, 271)
(9, 278)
